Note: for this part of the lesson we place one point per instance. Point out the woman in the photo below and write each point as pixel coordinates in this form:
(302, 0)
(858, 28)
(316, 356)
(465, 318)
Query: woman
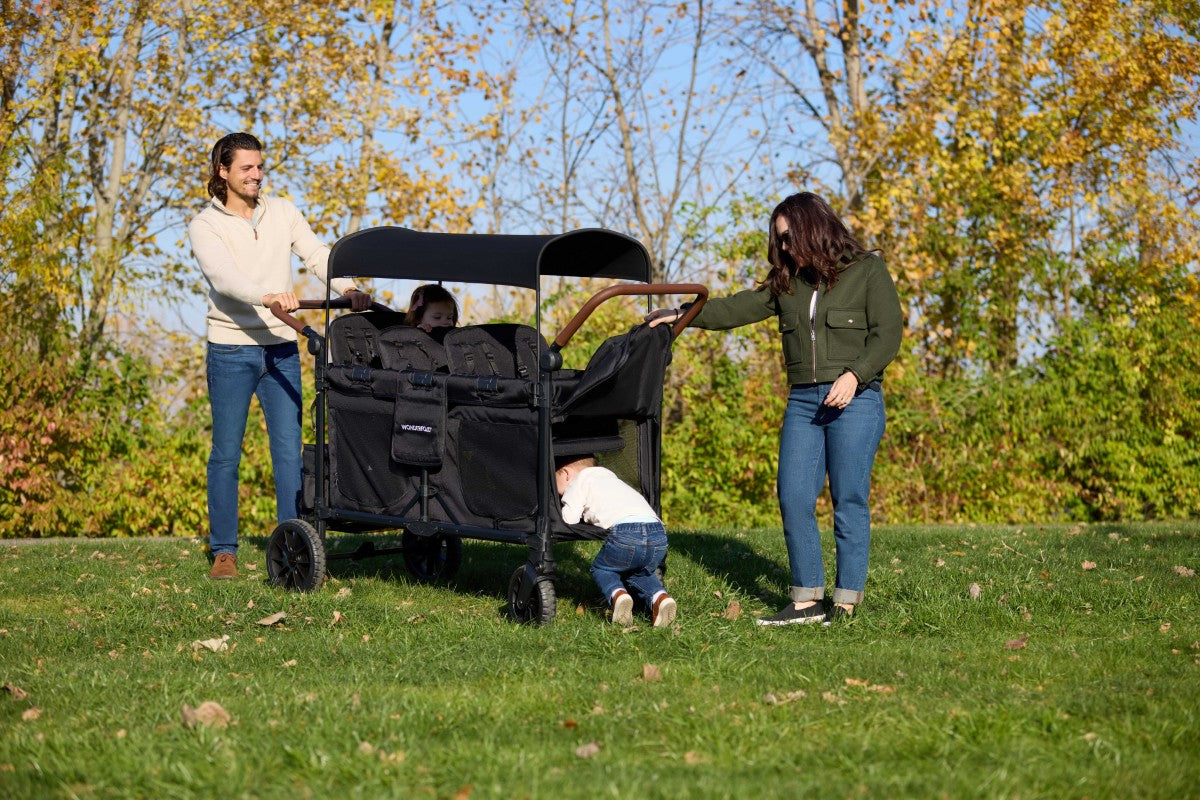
(840, 321)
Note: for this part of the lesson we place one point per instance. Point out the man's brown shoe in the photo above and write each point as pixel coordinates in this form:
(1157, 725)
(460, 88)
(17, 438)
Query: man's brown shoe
(224, 566)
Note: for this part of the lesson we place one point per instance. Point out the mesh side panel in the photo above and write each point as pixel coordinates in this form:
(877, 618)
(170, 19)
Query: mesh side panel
(624, 462)
(363, 475)
(498, 466)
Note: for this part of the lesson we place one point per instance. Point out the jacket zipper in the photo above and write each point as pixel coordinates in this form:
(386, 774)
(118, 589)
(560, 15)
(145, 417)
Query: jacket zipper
(812, 329)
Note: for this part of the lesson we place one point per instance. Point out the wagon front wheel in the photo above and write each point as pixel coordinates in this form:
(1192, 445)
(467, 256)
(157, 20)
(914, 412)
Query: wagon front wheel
(431, 558)
(539, 607)
(296, 557)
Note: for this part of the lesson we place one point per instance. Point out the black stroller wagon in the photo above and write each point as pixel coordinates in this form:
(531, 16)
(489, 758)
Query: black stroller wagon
(453, 435)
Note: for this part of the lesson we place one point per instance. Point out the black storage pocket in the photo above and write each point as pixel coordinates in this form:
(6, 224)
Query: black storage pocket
(419, 421)
(847, 332)
(498, 468)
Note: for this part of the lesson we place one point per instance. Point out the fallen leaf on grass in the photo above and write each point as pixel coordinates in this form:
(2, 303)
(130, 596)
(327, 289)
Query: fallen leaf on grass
(273, 619)
(1184, 571)
(1016, 644)
(692, 758)
(587, 750)
(975, 591)
(464, 792)
(1088, 565)
(343, 592)
(830, 697)
(337, 617)
(15, 691)
(209, 714)
(570, 724)
(878, 688)
(291, 662)
(733, 610)
(771, 699)
(215, 645)
(31, 713)
(651, 672)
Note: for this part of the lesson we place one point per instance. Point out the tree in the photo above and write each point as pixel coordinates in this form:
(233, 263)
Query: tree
(642, 131)
(1034, 168)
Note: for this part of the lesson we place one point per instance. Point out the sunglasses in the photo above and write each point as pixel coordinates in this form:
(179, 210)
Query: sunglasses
(785, 238)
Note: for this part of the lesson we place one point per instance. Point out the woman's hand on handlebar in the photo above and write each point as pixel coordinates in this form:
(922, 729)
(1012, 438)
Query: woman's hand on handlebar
(660, 315)
(287, 300)
(359, 301)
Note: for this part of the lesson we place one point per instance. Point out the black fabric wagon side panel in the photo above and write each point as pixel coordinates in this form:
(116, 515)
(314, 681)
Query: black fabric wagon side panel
(492, 466)
(363, 476)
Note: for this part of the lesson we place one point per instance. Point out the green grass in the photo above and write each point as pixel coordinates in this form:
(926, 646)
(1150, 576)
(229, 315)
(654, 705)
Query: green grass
(429, 691)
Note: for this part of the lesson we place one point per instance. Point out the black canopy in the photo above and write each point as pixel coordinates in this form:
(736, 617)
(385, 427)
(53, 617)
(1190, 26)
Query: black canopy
(510, 260)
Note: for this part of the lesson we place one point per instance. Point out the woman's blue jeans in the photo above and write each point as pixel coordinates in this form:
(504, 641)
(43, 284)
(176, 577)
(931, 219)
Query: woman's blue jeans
(235, 373)
(629, 557)
(818, 440)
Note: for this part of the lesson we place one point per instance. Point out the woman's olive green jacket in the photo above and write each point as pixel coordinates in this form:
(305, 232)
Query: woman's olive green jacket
(856, 327)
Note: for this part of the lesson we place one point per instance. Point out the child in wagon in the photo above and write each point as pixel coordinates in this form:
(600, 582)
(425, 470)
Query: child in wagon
(432, 306)
(636, 542)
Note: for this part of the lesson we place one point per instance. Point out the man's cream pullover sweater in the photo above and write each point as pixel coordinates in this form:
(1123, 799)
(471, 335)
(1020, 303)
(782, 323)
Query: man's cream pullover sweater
(244, 260)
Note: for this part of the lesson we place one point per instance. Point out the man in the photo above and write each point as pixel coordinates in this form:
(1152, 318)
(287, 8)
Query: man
(244, 243)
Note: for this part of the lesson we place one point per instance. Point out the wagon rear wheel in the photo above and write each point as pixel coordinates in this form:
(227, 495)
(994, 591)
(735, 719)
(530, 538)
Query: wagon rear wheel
(539, 608)
(296, 557)
(431, 558)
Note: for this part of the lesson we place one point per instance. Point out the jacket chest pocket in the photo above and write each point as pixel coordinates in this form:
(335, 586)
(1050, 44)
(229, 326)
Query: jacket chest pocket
(846, 333)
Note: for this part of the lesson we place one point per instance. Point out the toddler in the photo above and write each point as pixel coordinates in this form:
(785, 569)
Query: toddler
(636, 542)
(432, 306)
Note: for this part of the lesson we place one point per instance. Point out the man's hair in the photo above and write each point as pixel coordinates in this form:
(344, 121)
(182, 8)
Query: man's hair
(222, 156)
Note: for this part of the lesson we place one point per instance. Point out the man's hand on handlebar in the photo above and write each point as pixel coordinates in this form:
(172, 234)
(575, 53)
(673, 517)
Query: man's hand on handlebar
(359, 301)
(287, 301)
(660, 315)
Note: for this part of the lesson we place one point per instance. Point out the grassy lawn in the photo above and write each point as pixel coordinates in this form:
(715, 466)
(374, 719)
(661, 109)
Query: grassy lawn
(1075, 672)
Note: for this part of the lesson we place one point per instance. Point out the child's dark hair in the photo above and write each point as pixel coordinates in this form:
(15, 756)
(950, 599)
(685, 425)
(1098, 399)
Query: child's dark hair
(425, 295)
(222, 156)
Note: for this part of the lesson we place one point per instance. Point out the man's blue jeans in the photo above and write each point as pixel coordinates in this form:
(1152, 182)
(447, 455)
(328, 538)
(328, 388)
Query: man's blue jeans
(817, 440)
(235, 373)
(629, 557)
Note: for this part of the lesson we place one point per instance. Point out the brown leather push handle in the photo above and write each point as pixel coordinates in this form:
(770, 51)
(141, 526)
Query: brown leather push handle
(601, 296)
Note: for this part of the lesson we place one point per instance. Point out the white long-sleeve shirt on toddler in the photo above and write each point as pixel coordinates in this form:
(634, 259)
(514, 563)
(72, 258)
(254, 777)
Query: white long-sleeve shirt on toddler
(598, 497)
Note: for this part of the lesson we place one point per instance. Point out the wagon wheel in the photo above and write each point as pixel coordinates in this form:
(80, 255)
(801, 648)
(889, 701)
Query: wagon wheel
(296, 557)
(431, 558)
(539, 609)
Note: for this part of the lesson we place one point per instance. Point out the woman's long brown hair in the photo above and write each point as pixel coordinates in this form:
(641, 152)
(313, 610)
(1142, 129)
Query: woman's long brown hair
(818, 241)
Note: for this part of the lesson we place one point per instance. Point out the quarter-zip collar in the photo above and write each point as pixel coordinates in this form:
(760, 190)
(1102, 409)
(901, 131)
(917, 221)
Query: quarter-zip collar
(260, 209)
